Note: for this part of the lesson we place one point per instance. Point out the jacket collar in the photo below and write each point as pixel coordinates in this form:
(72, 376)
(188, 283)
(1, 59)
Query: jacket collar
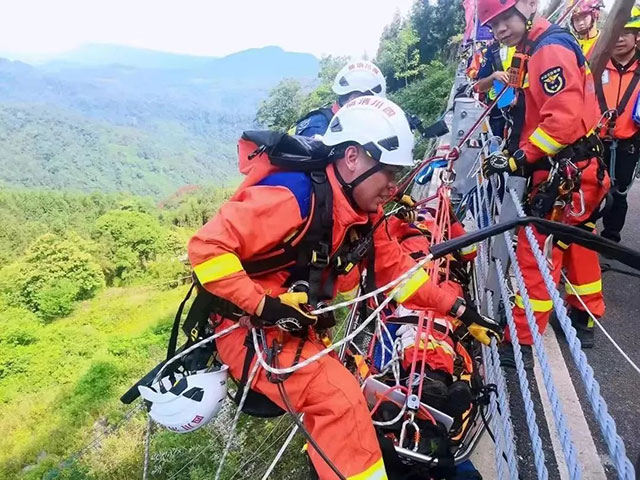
(629, 67)
(540, 25)
(343, 211)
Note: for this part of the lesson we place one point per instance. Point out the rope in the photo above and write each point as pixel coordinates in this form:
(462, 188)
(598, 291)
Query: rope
(597, 322)
(614, 443)
(568, 447)
(147, 448)
(530, 415)
(234, 424)
(280, 452)
(399, 282)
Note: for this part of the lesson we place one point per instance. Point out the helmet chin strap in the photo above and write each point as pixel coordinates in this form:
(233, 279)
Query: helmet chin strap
(348, 187)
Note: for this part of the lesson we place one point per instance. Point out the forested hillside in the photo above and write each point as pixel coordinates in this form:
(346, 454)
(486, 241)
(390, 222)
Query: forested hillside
(117, 119)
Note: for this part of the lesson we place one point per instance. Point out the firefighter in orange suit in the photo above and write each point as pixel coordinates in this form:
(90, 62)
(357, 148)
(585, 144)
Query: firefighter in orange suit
(552, 77)
(370, 140)
(618, 97)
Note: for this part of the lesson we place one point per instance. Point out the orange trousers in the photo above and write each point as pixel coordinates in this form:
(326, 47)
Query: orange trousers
(335, 410)
(583, 272)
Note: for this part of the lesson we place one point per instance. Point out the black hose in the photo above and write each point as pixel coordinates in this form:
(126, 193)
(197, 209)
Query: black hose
(294, 414)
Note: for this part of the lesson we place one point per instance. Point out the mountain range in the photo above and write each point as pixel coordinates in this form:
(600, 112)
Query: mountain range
(115, 118)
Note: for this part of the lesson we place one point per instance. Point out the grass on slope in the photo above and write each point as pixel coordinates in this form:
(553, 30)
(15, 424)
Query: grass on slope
(60, 383)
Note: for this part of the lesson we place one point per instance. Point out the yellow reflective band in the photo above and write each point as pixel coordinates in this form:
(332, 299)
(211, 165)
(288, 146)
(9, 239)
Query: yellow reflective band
(537, 305)
(562, 245)
(419, 278)
(468, 250)
(590, 225)
(545, 142)
(374, 472)
(217, 268)
(586, 289)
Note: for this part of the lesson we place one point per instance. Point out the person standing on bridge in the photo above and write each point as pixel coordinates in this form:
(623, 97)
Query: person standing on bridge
(551, 142)
(618, 95)
(354, 80)
(584, 23)
(495, 63)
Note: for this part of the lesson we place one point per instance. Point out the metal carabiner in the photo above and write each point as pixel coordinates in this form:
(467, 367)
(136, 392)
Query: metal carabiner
(403, 432)
(583, 209)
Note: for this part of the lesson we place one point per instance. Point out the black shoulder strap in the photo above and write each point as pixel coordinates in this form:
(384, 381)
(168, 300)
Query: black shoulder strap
(308, 252)
(629, 91)
(315, 248)
(173, 339)
(602, 101)
(496, 58)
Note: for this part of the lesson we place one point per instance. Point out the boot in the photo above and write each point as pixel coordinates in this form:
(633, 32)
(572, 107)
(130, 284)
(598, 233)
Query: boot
(434, 388)
(507, 359)
(459, 399)
(584, 325)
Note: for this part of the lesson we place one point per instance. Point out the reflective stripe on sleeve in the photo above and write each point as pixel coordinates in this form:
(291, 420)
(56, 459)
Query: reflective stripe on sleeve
(545, 142)
(415, 282)
(217, 267)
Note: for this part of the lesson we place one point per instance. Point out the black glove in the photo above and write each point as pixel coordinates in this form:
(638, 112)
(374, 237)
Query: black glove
(407, 212)
(499, 163)
(481, 328)
(290, 312)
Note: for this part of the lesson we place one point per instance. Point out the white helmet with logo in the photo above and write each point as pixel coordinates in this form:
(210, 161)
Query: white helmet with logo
(378, 125)
(363, 77)
(188, 404)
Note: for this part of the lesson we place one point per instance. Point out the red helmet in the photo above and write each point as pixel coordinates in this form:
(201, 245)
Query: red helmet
(587, 6)
(490, 9)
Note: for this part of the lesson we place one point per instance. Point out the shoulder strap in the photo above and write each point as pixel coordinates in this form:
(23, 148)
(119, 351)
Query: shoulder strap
(602, 102)
(327, 112)
(629, 91)
(308, 251)
(496, 58)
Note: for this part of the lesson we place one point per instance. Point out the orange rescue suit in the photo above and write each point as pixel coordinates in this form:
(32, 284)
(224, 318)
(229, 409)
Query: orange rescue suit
(255, 220)
(561, 108)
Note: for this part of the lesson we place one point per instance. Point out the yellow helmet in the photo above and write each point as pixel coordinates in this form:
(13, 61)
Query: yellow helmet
(634, 21)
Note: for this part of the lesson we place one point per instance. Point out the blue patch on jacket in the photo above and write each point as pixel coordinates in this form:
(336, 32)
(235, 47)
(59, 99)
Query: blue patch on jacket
(298, 183)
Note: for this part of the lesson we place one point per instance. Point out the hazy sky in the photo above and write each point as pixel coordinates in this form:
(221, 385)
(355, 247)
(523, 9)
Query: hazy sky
(200, 27)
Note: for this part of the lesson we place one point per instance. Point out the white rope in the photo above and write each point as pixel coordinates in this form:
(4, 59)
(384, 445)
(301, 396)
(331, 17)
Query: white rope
(147, 448)
(234, 424)
(278, 456)
(597, 322)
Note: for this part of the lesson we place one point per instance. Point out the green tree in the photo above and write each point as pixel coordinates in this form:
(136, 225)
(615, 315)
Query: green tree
(282, 108)
(323, 94)
(131, 239)
(55, 272)
(427, 97)
(436, 23)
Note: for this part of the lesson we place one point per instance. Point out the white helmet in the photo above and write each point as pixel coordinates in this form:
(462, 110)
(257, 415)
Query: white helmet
(378, 125)
(190, 403)
(363, 77)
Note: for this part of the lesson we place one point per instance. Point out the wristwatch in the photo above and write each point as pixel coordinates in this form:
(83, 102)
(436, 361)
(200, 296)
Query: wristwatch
(458, 308)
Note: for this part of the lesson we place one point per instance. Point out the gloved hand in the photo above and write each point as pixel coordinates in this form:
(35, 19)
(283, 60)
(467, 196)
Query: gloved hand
(499, 163)
(407, 212)
(481, 328)
(289, 311)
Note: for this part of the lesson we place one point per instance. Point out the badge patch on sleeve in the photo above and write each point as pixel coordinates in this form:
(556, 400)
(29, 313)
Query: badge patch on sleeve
(552, 80)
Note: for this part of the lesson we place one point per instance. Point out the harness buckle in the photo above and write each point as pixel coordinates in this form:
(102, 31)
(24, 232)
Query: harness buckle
(320, 258)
